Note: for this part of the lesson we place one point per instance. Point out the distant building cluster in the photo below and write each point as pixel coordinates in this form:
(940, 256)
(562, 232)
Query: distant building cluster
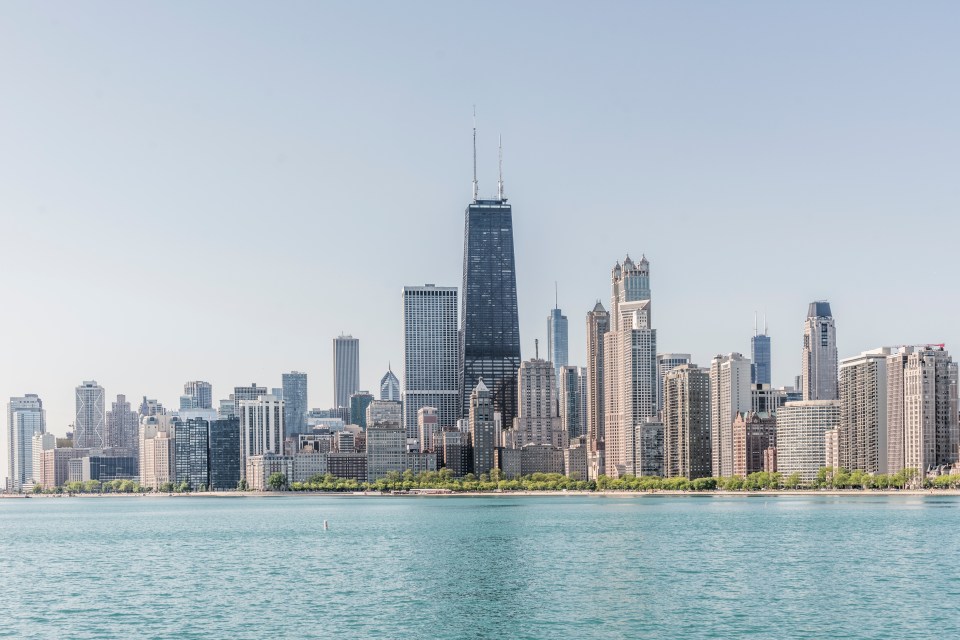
(467, 402)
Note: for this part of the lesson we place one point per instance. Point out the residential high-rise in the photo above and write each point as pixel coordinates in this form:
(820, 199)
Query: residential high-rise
(261, 428)
(386, 449)
(665, 363)
(686, 423)
(630, 348)
(801, 436)
(573, 401)
(151, 407)
(390, 386)
(598, 324)
(224, 453)
(123, 427)
(862, 432)
(246, 393)
(557, 351)
(25, 419)
(201, 393)
(384, 412)
(729, 395)
(753, 433)
(89, 425)
(490, 324)
(295, 403)
(192, 454)
(346, 369)
(157, 453)
(483, 434)
(428, 429)
(538, 421)
(819, 365)
(922, 432)
(760, 373)
(430, 352)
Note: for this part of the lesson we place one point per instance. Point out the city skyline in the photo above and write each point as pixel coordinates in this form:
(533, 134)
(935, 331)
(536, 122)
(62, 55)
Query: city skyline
(68, 209)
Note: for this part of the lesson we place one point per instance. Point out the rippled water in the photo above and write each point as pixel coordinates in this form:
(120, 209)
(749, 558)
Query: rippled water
(498, 567)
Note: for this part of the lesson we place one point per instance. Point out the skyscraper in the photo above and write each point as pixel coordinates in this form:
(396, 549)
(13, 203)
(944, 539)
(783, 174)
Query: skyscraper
(730, 394)
(224, 453)
(25, 419)
(665, 363)
(192, 453)
(819, 365)
(573, 400)
(389, 386)
(557, 351)
(760, 356)
(537, 420)
(295, 405)
(483, 438)
(801, 436)
(490, 324)
(862, 432)
(430, 352)
(245, 393)
(686, 423)
(123, 427)
(598, 323)
(630, 349)
(923, 432)
(346, 369)
(89, 425)
(358, 408)
(261, 428)
(201, 392)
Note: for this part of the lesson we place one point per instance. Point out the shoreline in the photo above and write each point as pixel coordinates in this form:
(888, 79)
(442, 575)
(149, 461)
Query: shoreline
(506, 494)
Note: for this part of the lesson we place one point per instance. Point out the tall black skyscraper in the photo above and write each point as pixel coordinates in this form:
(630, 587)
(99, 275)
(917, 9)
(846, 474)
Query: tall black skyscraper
(489, 322)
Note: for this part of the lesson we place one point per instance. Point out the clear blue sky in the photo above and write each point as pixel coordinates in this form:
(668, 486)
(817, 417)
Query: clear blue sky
(214, 190)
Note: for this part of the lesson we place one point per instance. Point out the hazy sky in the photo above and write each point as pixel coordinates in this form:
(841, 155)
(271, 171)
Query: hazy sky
(214, 190)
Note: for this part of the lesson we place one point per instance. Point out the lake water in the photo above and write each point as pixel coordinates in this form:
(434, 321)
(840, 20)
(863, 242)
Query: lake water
(468, 567)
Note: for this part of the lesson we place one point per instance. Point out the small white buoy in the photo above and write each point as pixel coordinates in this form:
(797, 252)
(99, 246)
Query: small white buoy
(326, 525)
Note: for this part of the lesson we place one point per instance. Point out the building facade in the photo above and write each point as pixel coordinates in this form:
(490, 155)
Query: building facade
(801, 436)
(483, 435)
(573, 401)
(346, 369)
(386, 449)
(89, 427)
(630, 349)
(489, 319)
(157, 452)
(761, 371)
(538, 421)
(753, 433)
(666, 362)
(922, 432)
(819, 364)
(598, 324)
(730, 394)
(261, 427)
(26, 418)
(192, 454)
(200, 392)
(862, 432)
(390, 386)
(224, 453)
(295, 403)
(557, 341)
(687, 452)
(123, 427)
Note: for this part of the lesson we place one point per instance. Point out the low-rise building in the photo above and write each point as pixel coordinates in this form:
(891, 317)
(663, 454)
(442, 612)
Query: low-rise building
(349, 466)
(531, 458)
(753, 433)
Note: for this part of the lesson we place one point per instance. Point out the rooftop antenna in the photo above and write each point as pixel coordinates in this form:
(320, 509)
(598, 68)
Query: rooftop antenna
(500, 182)
(756, 331)
(764, 324)
(476, 190)
(536, 349)
(556, 296)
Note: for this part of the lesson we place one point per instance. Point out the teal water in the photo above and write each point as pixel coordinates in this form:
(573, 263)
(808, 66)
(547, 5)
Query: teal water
(498, 567)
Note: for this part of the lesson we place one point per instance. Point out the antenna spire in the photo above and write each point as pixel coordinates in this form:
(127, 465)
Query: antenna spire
(556, 296)
(476, 190)
(764, 324)
(756, 331)
(500, 182)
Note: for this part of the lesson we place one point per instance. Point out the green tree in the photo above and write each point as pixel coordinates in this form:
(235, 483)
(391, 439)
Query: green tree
(277, 481)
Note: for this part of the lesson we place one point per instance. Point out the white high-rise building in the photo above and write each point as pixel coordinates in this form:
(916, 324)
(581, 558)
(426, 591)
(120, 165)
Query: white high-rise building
(922, 428)
(261, 428)
(25, 419)
(665, 363)
(538, 421)
(428, 429)
(89, 427)
(430, 353)
(729, 395)
(346, 369)
(630, 376)
(862, 434)
(157, 450)
(819, 366)
(801, 436)
(389, 386)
